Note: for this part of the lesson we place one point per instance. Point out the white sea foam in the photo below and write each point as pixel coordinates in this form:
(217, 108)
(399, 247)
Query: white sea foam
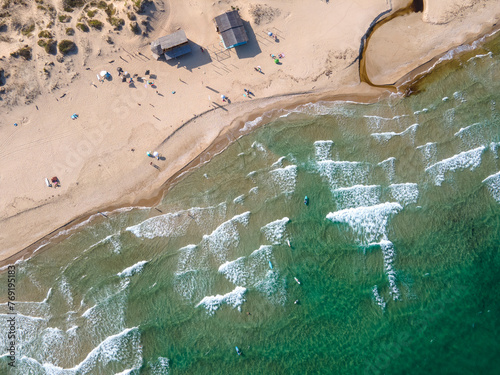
(493, 184)
(465, 160)
(368, 222)
(344, 173)
(386, 136)
(245, 271)
(132, 270)
(323, 149)
(357, 195)
(273, 287)
(376, 122)
(259, 146)
(160, 366)
(226, 235)
(285, 179)
(275, 231)
(389, 166)
(122, 349)
(239, 199)
(389, 254)
(429, 152)
(480, 56)
(278, 163)
(405, 194)
(235, 298)
(249, 125)
(176, 224)
(378, 299)
(423, 110)
(494, 146)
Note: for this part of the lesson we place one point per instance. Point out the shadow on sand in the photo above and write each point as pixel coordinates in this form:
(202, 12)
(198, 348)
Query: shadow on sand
(192, 60)
(250, 49)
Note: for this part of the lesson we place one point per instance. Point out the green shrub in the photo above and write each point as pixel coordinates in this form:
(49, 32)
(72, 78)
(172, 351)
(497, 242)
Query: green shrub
(64, 18)
(42, 42)
(49, 24)
(131, 16)
(91, 13)
(51, 47)
(73, 3)
(27, 29)
(102, 5)
(66, 46)
(95, 24)
(135, 27)
(82, 27)
(24, 52)
(70, 31)
(110, 10)
(45, 34)
(116, 22)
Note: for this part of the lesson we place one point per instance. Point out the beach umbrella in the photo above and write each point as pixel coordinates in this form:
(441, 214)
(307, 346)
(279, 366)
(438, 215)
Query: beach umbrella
(103, 73)
(270, 33)
(276, 60)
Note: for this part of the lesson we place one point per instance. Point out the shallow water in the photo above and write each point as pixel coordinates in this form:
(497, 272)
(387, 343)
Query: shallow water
(397, 251)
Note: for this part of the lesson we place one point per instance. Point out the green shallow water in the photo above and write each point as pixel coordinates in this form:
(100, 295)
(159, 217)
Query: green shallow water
(400, 278)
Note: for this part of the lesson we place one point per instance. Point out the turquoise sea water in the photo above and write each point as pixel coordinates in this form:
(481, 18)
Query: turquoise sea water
(397, 251)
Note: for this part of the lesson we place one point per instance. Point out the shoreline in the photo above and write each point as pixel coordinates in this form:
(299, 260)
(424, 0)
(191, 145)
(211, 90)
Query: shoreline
(151, 198)
(242, 112)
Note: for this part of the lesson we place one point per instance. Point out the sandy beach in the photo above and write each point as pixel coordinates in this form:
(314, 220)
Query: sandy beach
(101, 159)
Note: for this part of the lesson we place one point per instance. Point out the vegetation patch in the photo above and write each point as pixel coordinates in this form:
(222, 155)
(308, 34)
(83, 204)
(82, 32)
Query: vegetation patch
(51, 47)
(45, 34)
(24, 52)
(135, 27)
(28, 29)
(92, 13)
(66, 46)
(82, 27)
(73, 3)
(102, 5)
(70, 31)
(95, 24)
(42, 43)
(116, 22)
(131, 16)
(64, 18)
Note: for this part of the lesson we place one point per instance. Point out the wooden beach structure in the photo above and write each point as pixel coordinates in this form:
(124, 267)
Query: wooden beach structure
(171, 46)
(230, 27)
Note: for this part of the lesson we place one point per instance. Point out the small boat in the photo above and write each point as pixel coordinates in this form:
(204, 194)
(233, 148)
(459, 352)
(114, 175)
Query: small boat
(288, 242)
(270, 265)
(306, 200)
(297, 280)
(238, 350)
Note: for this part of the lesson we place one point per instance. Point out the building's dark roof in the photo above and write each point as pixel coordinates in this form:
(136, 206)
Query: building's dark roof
(168, 41)
(177, 51)
(228, 20)
(234, 36)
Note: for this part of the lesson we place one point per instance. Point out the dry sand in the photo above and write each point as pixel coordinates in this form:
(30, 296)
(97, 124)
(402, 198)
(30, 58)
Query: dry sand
(100, 158)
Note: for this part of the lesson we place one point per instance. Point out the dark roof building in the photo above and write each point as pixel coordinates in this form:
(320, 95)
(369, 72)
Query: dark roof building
(171, 46)
(230, 27)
